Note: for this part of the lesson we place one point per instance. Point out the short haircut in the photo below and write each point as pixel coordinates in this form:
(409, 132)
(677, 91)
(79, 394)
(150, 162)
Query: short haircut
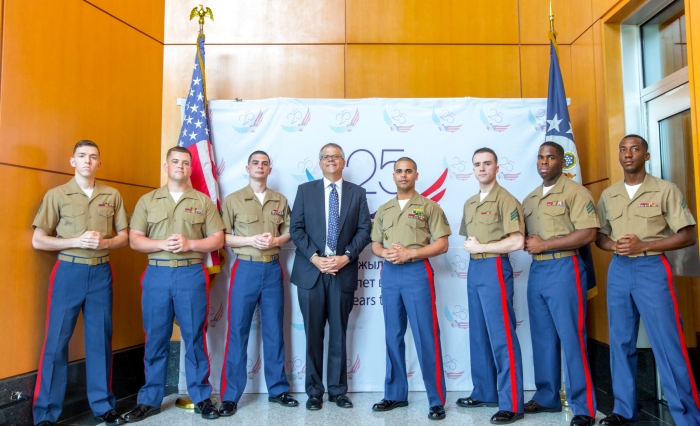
(415, 166)
(558, 148)
(487, 150)
(178, 149)
(644, 142)
(250, 157)
(331, 145)
(86, 142)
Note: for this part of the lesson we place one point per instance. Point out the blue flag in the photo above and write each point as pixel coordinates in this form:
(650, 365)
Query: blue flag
(559, 130)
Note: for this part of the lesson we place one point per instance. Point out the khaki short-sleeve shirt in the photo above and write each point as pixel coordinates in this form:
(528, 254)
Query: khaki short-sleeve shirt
(657, 210)
(568, 206)
(67, 210)
(243, 215)
(494, 218)
(420, 220)
(194, 216)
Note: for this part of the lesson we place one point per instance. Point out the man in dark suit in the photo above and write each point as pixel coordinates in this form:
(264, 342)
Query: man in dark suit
(325, 269)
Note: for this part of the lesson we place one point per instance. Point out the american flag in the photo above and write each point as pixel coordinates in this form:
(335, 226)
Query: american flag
(195, 136)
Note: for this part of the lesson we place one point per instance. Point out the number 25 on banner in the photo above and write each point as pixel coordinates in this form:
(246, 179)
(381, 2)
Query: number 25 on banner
(372, 170)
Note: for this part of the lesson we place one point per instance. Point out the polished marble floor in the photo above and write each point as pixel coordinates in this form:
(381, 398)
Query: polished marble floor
(254, 409)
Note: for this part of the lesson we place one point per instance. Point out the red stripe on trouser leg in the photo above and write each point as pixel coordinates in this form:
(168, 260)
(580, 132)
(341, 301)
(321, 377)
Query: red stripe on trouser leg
(111, 339)
(206, 321)
(46, 331)
(436, 340)
(228, 330)
(581, 325)
(509, 338)
(681, 337)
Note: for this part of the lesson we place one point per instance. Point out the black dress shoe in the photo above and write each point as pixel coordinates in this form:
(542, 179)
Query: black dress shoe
(470, 402)
(207, 409)
(615, 420)
(437, 412)
(315, 402)
(388, 405)
(227, 408)
(505, 417)
(284, 399)
(111, 418)
(140, 412)
(45, 423)
(341, 400)
(582, 420)
(532, 407)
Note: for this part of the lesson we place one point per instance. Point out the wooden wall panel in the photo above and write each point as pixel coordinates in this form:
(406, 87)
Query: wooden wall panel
(437, 21)
(692, 16)
(252, 22)
(571, 19)
(147, 16)
(599, 160)
(81, 75)
(583, 108)
(26, 275)
(534, 69)
(397, 71)
(601, 7)
(597, 316)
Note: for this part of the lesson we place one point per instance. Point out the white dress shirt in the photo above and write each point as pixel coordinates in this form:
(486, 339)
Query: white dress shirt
(326, 196)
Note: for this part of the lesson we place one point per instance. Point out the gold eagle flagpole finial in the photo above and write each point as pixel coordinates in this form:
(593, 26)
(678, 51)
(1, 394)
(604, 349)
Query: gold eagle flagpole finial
(202, 12)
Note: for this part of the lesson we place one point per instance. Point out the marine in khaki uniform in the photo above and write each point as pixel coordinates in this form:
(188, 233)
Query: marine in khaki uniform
(642, 217)
(257, 224)
(175, 225)
(493, 225)
(402, 233)
(79, 220)
(560, 218)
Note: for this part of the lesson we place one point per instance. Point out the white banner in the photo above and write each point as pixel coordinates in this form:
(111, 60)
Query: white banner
(440, 135)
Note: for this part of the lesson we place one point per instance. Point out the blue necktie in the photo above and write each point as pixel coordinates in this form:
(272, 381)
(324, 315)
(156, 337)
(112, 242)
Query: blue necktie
(333, 218)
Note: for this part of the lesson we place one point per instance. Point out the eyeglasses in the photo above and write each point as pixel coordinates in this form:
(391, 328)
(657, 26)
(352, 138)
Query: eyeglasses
(328, 157)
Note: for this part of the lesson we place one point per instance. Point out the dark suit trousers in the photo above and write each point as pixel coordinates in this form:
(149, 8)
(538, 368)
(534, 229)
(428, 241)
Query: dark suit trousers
(326, 302)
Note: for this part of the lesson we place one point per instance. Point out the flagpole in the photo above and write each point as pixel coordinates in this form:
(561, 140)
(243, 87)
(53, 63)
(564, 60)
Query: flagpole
(185, 402)
(553, 38)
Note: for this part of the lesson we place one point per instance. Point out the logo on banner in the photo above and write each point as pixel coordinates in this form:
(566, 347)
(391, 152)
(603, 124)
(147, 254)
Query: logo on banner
(215, 315)
(296, 370)
(253, 368)
(299, 324)
(306, 167)
(493, 121)
(457, 317)
(457, 267)
(457, 168)
(397, 117)
(516, 274)
(445, 121)
(297, 121)
(255, 323)
(538, 120)
(355, 326)
(450, 366)
(221, 167)
(250, 122)
(346, 121)
(507, 165)
(352, 369)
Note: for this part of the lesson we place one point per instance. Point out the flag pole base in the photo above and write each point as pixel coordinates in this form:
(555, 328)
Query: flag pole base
(185, 402)
(562, 395)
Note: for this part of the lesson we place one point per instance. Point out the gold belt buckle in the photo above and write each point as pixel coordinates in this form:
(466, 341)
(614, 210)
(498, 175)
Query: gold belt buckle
(173, 263)
(267, 258)
(92, 261)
